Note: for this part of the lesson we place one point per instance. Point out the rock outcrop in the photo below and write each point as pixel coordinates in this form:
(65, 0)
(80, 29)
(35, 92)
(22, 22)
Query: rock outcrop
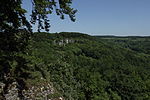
(37, 92)
(63, 42)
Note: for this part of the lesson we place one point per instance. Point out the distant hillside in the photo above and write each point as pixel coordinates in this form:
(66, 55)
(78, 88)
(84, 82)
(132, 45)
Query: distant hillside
(94, 68)
(84, 67)
(139, 44)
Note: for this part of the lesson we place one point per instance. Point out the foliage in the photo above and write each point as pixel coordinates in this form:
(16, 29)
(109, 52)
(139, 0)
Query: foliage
(138, 44)
(16, 32)
(12, 15)
(92, 69)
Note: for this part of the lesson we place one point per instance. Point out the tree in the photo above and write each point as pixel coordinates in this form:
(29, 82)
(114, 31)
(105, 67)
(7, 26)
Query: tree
(12, 18)
(12, 15)
(16, 30)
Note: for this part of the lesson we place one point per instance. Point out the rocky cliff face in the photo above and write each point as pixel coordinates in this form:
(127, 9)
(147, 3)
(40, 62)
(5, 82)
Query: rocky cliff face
(38, 92)
(63, 42)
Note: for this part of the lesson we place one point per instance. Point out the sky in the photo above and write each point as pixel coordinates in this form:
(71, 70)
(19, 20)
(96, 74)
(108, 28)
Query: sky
(103, 17)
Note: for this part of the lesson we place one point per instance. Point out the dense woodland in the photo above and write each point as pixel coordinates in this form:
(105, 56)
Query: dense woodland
(76, 66)
(83, 67)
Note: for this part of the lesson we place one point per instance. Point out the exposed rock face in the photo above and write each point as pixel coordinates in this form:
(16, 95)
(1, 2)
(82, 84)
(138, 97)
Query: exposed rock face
(63, 42)
(38, 92)
(1, 86)
(12, 92)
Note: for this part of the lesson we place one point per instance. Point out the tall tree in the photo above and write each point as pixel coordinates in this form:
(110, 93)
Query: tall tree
(14, 40)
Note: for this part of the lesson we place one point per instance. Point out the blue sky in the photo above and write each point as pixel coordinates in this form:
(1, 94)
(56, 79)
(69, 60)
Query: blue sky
(104, 17)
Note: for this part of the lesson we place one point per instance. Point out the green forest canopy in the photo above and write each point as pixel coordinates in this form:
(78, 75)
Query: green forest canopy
(92, 68)
(80, 66)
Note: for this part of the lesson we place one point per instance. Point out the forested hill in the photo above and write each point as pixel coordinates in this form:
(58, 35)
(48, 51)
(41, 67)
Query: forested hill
(77, 66)
(139, 44)
(84, 67)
